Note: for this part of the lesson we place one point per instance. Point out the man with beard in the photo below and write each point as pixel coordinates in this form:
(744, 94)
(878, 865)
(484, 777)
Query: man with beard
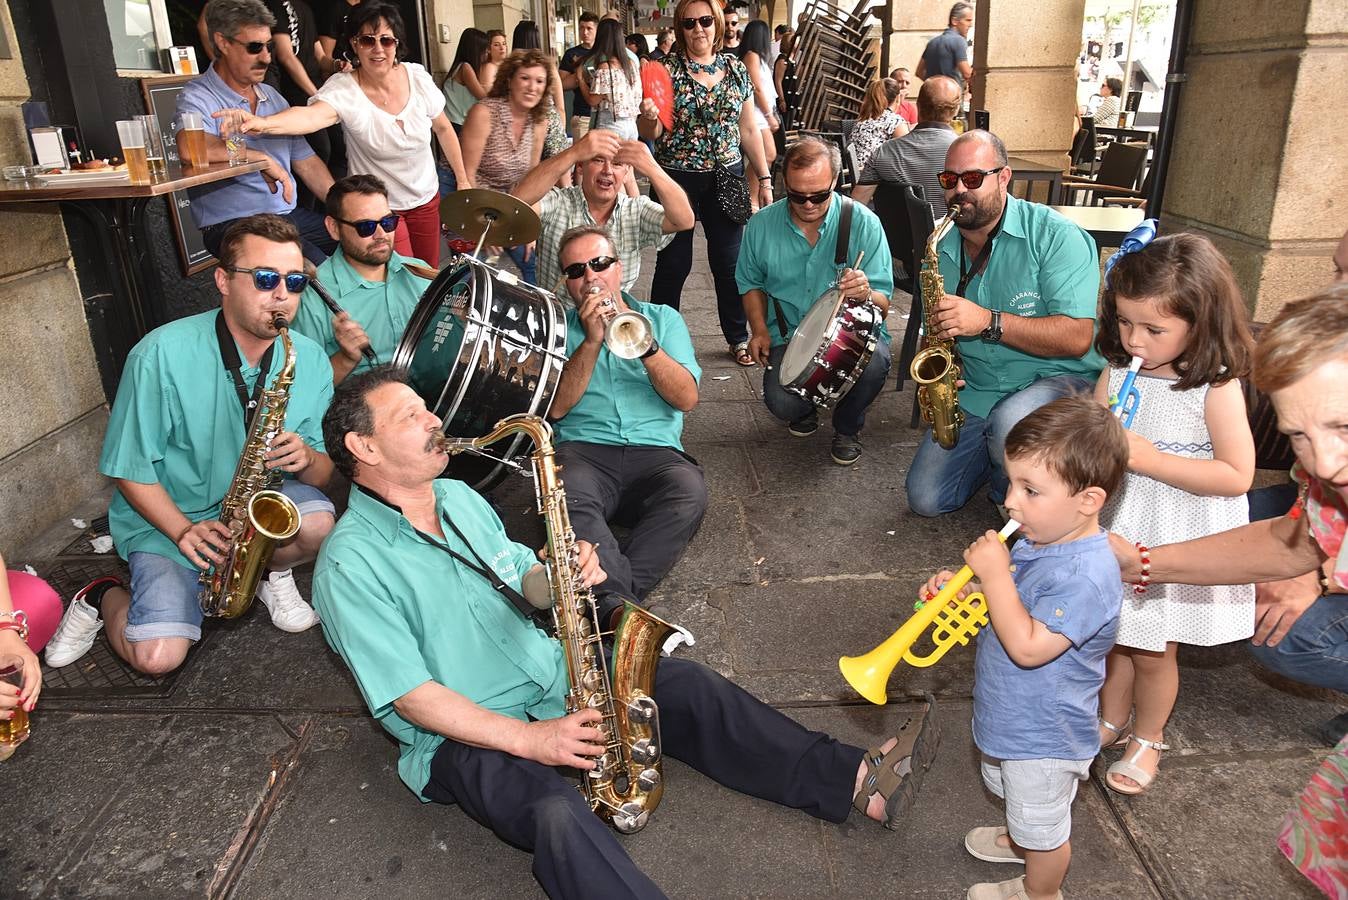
(376, 288)
(1021, 286)
(633, 223)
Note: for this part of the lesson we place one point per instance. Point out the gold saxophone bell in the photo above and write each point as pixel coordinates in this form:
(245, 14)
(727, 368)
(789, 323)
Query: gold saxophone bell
(952, 621)
(936, 368)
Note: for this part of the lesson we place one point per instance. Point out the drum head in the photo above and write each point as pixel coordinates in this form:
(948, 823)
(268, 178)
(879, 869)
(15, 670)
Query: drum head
(479, 347)
(808, 339)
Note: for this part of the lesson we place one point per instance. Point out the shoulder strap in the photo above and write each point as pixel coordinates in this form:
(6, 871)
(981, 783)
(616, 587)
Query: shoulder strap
(421, 271)
(844, 231)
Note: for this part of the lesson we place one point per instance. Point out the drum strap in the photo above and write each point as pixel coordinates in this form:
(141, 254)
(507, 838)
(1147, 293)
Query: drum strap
(839, 254)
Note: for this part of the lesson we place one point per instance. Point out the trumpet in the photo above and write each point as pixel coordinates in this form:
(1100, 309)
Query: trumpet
(627, 335)
(952, 621)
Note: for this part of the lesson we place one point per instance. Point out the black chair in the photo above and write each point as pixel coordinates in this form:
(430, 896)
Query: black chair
(1083, 148)
(1120, 171)
(907, 221)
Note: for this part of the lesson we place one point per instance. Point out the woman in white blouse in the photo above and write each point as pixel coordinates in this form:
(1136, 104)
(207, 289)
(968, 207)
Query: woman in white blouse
(388, 110)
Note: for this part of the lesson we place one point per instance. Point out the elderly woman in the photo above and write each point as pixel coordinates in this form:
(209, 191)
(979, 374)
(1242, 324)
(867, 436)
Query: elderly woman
(388, 110)
(503, 135)
(713, 117)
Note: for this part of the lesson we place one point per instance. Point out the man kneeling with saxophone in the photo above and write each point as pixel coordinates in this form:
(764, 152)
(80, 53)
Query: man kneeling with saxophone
(424, 596)
(183, 437)
(618, 414)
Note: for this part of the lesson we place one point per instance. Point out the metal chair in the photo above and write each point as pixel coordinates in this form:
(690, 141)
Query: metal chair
(1119, 173)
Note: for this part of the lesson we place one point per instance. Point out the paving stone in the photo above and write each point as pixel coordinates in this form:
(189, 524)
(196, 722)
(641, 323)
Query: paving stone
(728, 385)
(722, 422)
(132, 805)
(727, 469)
(719, 554)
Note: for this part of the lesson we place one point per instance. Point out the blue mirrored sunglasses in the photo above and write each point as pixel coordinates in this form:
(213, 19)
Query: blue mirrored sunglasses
(268, 279)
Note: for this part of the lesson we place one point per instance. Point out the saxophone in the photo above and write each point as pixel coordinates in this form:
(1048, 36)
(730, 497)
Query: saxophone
(625, 784)
(257, 515)
(936, 367)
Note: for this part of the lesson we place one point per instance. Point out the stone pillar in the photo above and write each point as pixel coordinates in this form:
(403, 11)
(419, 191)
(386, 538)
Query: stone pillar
(909, 28)
(1025, 76)
(1258, 164)
(454, 15)
(52, 412)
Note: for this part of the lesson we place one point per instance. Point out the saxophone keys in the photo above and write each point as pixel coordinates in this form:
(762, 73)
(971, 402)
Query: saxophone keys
(631, 817)
(592, 680)
(641, 709)
(645, 751)
(648, 780)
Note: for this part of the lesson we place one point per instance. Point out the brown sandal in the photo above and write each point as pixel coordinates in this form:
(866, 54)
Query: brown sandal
(897, 775)
(740, 354)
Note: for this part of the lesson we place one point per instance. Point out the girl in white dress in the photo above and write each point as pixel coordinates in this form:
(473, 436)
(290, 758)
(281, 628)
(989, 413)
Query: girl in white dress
(1174, 303)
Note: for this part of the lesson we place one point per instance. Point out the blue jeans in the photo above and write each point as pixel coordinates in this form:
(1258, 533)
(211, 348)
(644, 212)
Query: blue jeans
(849, 416)
(1315, 650)
(941, 481)
(528, 268)
(723, 249)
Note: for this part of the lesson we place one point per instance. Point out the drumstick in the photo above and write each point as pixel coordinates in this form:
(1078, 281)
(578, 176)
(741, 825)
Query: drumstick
(367, 351)
(837, 305)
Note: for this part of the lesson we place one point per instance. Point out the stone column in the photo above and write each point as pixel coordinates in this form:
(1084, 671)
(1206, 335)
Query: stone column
(52, 412)
(1258, 163)
(909, 28)
(1025, 76)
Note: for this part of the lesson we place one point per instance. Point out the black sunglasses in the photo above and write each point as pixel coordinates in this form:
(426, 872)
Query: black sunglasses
(704, 21)
(972, 179)
(365, 227)
(254, 47)
(387, 41)
(800, 199)
(268, 279)
(598, 264)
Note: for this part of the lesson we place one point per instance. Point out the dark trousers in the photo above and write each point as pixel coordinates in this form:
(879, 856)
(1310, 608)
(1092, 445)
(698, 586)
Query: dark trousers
(706, 721)
(317, 244)
(658, 492)
(723, 248)
(849, 416)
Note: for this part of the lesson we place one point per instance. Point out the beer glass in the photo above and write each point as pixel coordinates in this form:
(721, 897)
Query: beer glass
(13, 731)
(192, 139)
(154, 148)
(131, 133)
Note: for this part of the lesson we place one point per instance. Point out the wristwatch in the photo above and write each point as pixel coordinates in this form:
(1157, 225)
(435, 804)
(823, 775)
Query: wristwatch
(653, 349)
(993, 333)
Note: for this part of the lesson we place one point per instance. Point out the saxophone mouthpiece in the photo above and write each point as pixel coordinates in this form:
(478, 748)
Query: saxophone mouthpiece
(278, 321)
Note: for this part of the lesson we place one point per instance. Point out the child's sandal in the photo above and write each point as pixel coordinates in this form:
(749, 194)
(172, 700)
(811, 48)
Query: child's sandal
(1128, 768)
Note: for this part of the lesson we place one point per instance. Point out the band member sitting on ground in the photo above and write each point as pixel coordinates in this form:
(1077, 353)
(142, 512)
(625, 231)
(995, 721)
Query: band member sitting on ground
(377, 288)
(410, 585)
(787, 261)
(174, 439)
(1021, 284)
(618, 424)
(634, 223)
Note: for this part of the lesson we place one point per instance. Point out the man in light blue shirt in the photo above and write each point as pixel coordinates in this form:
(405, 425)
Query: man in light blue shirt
(241, 32)
(787, 260)
(619, 423)
(376, 289)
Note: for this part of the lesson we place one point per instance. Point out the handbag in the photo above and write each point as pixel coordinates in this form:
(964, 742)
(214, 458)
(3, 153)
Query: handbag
(732, 194)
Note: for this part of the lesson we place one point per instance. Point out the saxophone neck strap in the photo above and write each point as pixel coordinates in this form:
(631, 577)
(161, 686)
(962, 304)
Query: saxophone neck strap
(839, 255)
(981, 260)
(229, 355)
(477, 564)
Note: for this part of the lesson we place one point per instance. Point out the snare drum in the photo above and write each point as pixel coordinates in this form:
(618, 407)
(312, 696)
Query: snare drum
(480, 346)
(830, 348)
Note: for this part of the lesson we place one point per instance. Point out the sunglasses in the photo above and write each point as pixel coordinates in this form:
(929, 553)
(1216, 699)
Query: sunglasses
(598, 264)
(704, 21)
(268, 279)
(387, 41)
(972, 179)
(254, 47)
(365, 227)
(800, 199)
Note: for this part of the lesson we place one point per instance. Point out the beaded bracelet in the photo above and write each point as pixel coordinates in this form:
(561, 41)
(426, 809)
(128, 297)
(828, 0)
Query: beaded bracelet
(1140, 587)
(15, 621)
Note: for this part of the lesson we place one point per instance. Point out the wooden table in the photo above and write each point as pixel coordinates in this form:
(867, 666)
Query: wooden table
(116, 212)
(1109, 225)
(1030, 172)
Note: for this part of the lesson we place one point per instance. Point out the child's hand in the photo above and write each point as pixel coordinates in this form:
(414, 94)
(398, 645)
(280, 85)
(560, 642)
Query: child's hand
(934, 583)
(988, 556)
(1141, 452)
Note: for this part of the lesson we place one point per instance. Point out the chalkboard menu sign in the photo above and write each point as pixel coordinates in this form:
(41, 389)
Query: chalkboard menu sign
(161, 99)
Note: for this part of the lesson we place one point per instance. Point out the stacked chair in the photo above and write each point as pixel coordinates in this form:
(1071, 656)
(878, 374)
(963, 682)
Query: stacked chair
(833, 65)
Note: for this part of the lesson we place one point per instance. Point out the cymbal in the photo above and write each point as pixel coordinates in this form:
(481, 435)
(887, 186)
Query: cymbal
(468, 212)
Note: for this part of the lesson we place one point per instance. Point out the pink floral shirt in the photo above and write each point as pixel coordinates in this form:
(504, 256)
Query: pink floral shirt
(1326, 515)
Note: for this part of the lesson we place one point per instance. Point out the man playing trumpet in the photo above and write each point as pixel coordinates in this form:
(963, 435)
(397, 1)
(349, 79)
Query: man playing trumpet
(618, 416)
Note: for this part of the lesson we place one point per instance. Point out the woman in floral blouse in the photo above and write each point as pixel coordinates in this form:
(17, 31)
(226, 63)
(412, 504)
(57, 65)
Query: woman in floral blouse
(878, 121)
(713, 117)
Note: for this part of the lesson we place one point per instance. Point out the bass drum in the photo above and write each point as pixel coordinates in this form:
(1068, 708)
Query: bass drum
(480, 346)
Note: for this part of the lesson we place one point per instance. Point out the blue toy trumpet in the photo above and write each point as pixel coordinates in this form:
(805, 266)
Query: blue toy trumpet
(1124, 404)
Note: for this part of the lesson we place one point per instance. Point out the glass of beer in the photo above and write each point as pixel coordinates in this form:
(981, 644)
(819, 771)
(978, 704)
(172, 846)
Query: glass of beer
(155, 159)
(13, 731)
(192, 139)
(131, 132)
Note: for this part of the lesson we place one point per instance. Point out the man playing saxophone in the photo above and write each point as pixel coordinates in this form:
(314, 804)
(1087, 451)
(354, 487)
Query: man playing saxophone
(618, 414)
(174, 437)
(422, 594)
(1021, 284)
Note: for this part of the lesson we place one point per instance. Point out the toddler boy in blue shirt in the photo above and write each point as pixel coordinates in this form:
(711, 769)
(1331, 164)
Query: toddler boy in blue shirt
(1053, 604)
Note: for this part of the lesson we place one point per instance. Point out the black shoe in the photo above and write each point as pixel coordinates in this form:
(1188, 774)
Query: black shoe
(804, 427)
(846, 449)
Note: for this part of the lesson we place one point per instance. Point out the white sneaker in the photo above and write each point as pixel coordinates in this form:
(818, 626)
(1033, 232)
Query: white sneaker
(279, 593)
(79, 626)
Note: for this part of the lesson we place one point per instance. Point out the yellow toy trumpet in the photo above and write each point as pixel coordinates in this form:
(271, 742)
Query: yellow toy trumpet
(953, 622)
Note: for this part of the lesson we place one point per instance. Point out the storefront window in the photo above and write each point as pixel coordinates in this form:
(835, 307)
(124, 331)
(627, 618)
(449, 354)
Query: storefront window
(139, 28)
